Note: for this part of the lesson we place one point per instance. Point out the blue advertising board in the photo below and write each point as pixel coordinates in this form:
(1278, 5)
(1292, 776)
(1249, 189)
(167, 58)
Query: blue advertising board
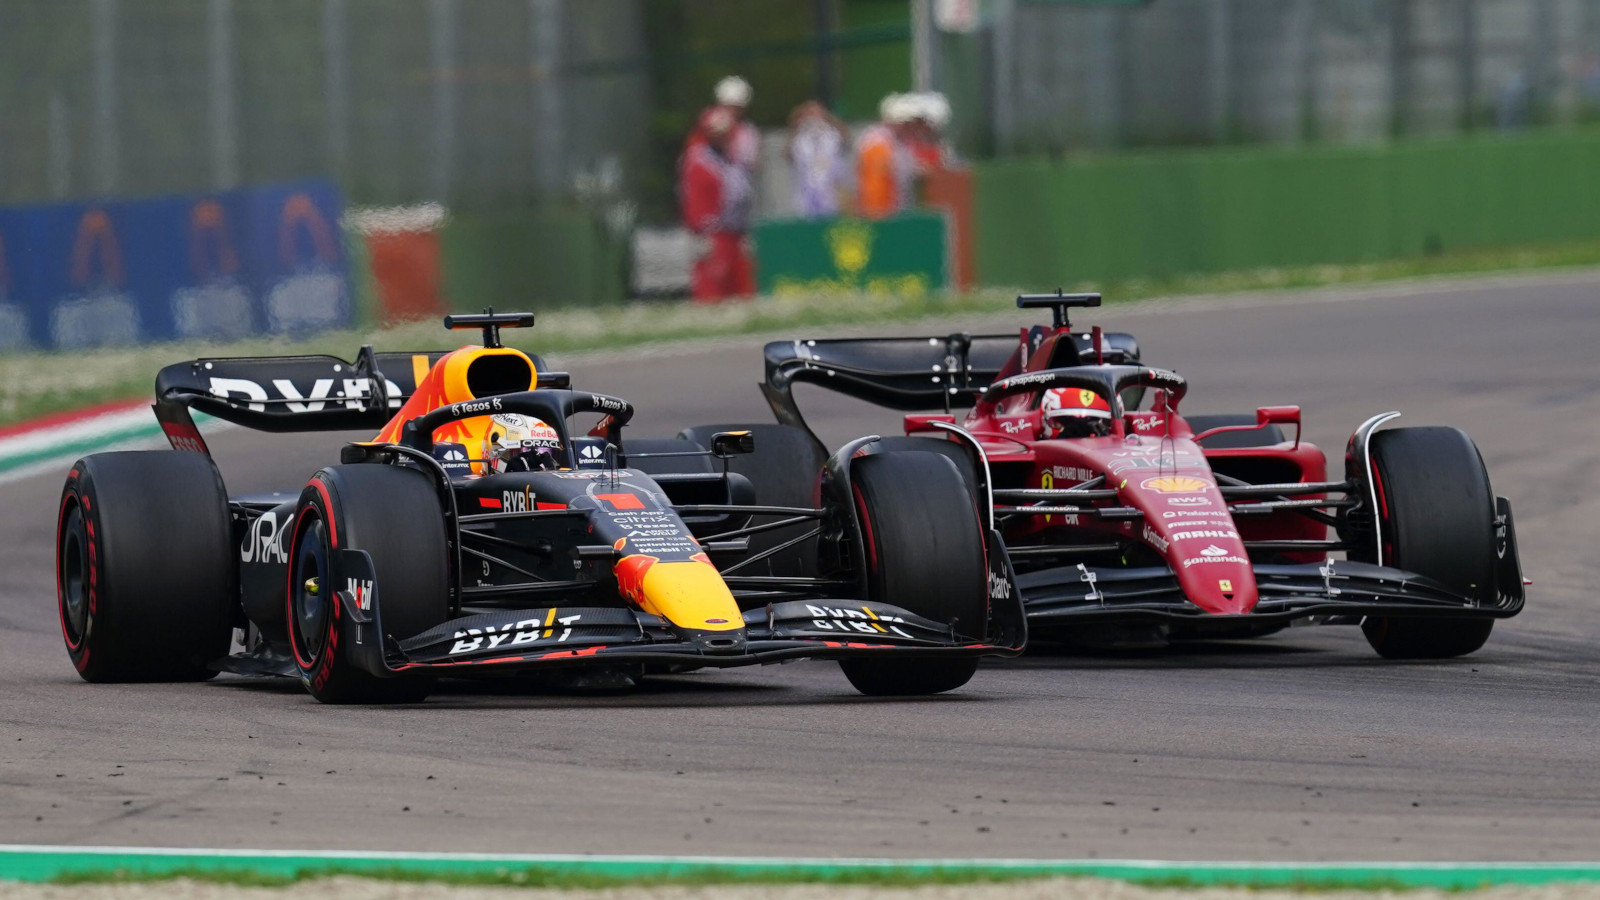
(256, 260)
(14, 325)
(295, 257)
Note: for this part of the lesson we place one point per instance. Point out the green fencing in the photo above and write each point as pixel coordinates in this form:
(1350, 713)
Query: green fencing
(537, 259)
(1043, 223)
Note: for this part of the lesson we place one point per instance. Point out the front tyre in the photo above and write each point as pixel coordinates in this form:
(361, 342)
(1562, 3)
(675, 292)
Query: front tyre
(146, 571)
(395, 516)
(924, 553)
(1436, 514)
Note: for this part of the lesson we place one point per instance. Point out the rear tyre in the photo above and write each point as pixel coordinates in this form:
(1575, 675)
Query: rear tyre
(394, 515)
(146, 568)
(1436, 510)
(783, 470)
(924, 553)
(1265, 437)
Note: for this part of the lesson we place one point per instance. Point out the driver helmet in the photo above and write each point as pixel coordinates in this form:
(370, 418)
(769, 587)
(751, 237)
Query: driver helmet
(518, 443)
(1075, 412)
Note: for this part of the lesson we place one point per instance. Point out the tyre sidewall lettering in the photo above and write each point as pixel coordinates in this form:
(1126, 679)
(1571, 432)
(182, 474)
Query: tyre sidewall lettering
(315, 672)
(78, 493)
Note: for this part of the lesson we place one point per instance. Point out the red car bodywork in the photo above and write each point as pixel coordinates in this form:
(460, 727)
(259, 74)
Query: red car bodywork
(1232, 531)
(1154, 464)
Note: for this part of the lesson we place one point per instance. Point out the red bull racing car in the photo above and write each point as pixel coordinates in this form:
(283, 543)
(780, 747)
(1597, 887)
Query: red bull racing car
(481, 532)
(1139, 526)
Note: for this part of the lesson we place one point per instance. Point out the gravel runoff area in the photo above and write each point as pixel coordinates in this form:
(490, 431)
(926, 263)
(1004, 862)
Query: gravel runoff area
(346, 888)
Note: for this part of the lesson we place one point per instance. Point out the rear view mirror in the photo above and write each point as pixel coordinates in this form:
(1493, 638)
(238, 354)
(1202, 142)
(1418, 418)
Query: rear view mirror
(1280, 415)
(732, 443)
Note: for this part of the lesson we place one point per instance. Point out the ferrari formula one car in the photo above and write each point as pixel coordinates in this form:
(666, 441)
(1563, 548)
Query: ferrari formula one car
(478, 534)
(1136, 527)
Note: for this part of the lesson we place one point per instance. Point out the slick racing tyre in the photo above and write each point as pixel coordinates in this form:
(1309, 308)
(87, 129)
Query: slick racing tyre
(950, 450)
(1436, 514)
(146, 567)
(1264, 437)
(394, 515)
(924, 553)
(783, 470)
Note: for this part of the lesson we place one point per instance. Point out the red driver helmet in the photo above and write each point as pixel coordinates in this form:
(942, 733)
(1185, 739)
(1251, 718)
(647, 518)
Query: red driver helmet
(1075, 412)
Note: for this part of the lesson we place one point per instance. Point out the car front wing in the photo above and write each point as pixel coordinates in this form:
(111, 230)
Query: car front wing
(556, 636)
(1339, 590)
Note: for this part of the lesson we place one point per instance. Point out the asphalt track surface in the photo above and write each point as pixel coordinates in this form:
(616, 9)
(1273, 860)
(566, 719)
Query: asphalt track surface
(1303, 745)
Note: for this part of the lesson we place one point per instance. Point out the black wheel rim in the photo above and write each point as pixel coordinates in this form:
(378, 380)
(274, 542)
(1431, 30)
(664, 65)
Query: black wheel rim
(311, 588)
(74, 576)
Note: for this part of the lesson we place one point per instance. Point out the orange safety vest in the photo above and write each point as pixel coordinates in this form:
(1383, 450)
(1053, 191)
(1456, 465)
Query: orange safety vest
(879, 179)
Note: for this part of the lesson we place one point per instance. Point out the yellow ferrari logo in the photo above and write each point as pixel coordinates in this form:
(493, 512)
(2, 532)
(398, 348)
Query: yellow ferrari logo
(1086, 397)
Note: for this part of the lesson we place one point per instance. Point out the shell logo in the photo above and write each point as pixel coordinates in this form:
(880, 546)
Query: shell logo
(851, 246)
(1175, 484)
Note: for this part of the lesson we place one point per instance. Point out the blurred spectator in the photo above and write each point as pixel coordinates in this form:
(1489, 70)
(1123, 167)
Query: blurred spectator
(744, 147)
(817, 151)
(716, 196)
(884, 166)
(733, 98)
(930, 116)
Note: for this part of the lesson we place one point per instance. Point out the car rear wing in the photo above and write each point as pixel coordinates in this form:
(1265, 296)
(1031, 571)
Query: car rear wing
(916, 374)
(295, 393)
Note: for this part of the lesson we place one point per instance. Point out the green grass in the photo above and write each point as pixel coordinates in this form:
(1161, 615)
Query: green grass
(535, 877)
(538, 877)
(34, 384)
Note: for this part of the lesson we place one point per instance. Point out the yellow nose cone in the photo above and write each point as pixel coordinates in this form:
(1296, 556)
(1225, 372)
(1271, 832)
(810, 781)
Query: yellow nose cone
(690, 595)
